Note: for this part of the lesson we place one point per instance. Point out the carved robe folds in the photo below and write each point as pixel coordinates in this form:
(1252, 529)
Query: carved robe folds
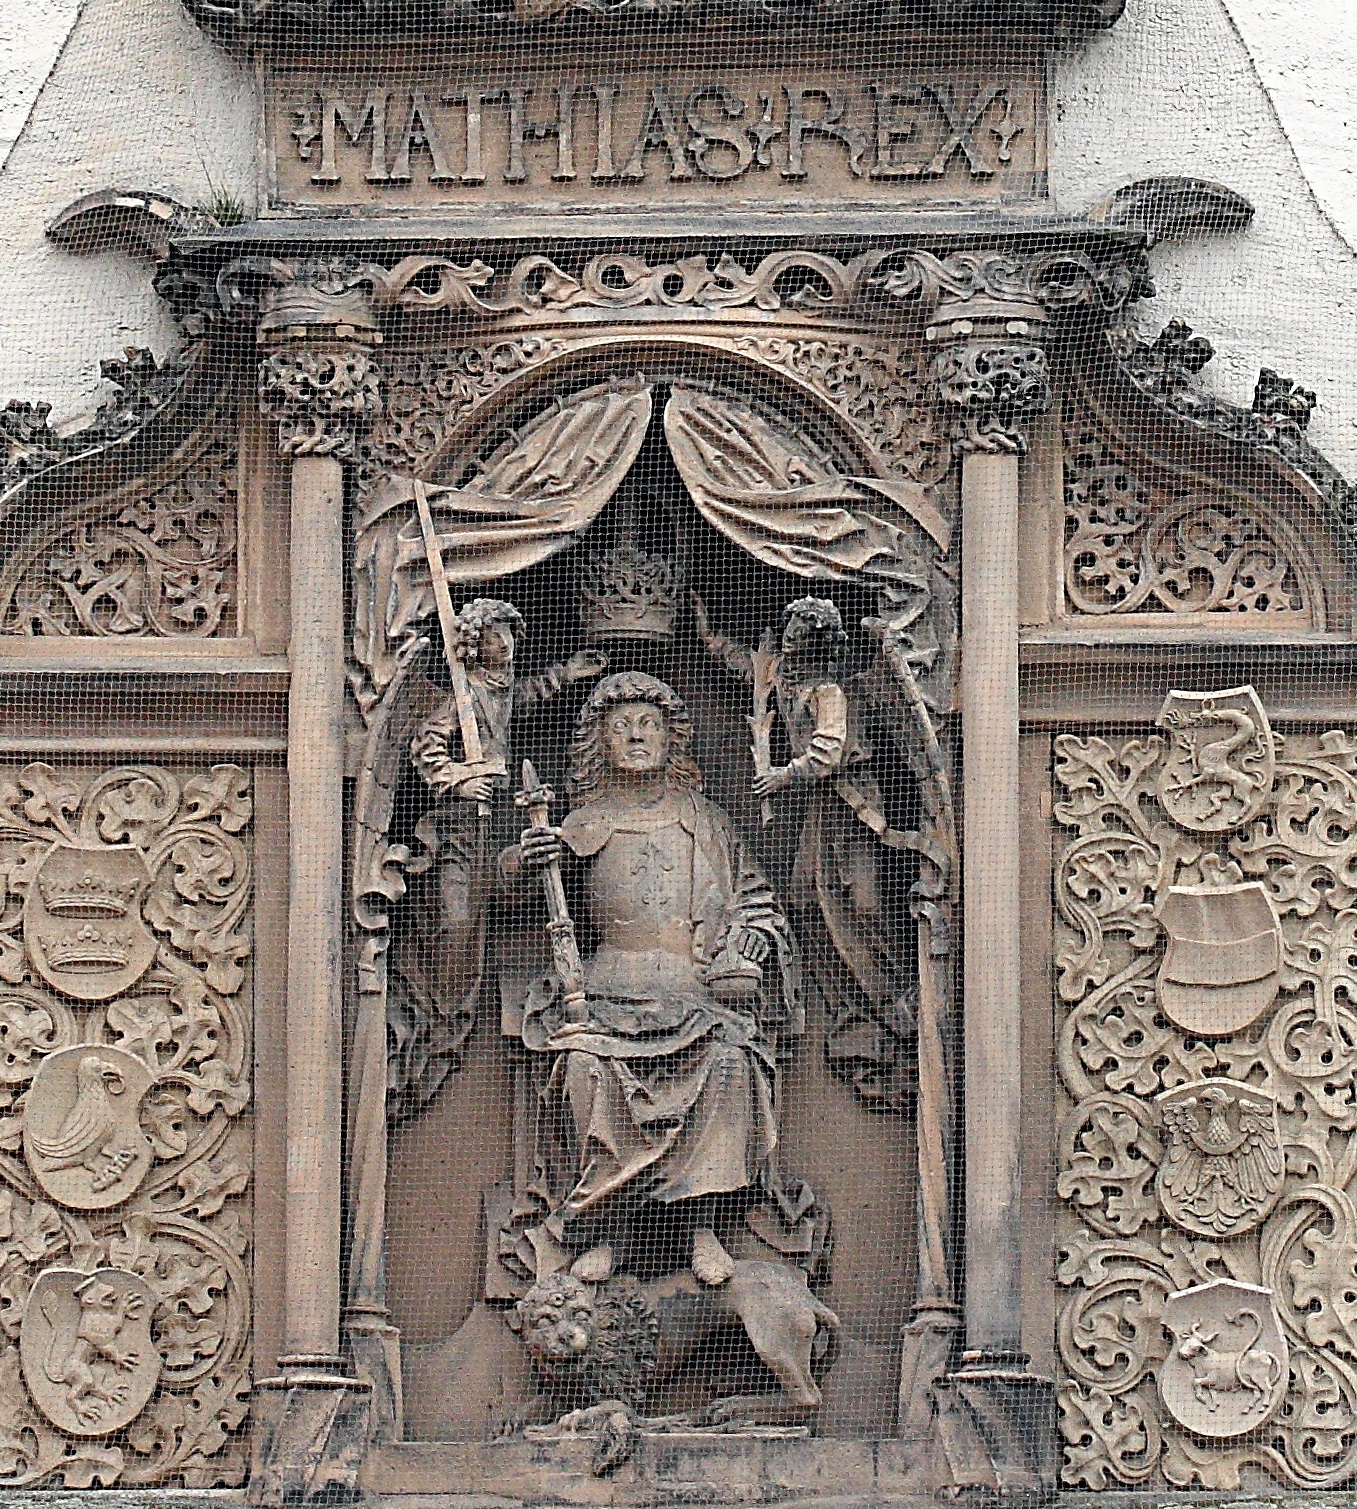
(668, 1091)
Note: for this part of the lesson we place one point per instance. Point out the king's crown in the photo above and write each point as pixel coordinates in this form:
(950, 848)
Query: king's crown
(627, 593)
(91, 950)
(92, 895)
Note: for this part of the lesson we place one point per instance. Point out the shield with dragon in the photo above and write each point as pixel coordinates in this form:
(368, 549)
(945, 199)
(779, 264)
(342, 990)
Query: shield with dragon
(86, 1348)
(1223, 962)
(1223, 1164)
(1218, 770)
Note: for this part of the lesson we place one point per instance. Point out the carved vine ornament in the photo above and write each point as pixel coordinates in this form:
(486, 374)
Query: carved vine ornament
(124, 1077)
(1208, 908)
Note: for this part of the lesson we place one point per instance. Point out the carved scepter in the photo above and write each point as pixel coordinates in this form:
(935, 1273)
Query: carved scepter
(761, 719)
(535, 800)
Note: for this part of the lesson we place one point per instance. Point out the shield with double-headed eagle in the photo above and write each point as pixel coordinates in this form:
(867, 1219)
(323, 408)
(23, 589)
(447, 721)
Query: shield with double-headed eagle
(83, 924)
(1220, 763)
(1226, 1369)
(1223, 962)
(1223, 1162)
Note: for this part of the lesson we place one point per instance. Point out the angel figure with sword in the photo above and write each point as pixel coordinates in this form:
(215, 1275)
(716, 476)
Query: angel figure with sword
(462, 753)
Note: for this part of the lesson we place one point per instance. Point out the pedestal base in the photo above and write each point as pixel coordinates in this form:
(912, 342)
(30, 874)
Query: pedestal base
(664, 1469)
(310, 1432)
(998, 1427)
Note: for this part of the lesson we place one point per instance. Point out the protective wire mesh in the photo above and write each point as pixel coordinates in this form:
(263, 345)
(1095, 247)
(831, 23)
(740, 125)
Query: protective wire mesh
(679, 772)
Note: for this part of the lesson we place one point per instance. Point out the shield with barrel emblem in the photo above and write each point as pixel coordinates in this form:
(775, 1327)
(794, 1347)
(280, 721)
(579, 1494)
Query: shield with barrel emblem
(1224, 957)
(1220, 762)
(83, 924)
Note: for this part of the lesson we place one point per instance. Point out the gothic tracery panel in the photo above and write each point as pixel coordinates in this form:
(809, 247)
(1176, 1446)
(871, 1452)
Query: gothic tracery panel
(125, 1149)
(1207, 1047)
(1133, 545)
(152, 561)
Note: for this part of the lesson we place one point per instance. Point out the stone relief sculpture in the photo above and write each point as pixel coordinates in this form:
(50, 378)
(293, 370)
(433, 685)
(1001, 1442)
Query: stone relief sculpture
(472, 817)
(843, 873)
(665, 1096)
(124, 1078)
(646, 1071)
(1205, 975)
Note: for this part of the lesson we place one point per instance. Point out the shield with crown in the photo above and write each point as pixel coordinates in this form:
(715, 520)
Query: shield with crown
(83, 923)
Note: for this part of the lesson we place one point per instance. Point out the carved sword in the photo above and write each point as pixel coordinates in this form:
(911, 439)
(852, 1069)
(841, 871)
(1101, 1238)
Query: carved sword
(535, 799)
(472, 748)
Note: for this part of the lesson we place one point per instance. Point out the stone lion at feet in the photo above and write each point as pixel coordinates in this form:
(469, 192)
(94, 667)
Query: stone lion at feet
(598, 1349)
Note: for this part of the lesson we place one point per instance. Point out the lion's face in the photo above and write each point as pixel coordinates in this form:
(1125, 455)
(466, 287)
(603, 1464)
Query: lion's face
(558, 1319)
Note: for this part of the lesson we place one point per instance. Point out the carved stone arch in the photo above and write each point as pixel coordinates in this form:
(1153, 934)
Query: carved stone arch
(862, 396)
(1173, 525)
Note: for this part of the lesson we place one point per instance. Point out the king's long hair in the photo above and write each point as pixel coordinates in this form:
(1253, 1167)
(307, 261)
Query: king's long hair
(588, 776)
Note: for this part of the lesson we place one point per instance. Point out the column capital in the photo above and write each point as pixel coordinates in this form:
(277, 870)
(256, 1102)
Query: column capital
(318, 377)
(989, 366)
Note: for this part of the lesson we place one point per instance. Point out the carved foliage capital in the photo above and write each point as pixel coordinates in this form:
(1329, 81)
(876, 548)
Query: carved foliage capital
(322, 396)
(993, 384)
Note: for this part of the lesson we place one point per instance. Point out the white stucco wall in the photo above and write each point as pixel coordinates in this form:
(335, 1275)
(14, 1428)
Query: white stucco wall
(138, 98)
(1260, 95)
(1173, 90)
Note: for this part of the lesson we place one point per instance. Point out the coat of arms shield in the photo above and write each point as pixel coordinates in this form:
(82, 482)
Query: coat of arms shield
(1223, 1162)
(1226, 1369)
(88, 1356)
(82, 1126)
(1221, 761)
(83, 924)
(1223, 963)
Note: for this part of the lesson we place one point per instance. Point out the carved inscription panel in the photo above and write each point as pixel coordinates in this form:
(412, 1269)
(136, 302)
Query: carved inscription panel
(125, 1149)
(595, 133)
(1207, 1049)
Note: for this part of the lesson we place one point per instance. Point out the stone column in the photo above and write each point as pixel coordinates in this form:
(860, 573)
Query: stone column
(319, 381)
(990, 368)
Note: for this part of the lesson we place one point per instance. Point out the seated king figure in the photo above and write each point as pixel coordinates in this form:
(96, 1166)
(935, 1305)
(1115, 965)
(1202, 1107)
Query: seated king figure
(660, 1105)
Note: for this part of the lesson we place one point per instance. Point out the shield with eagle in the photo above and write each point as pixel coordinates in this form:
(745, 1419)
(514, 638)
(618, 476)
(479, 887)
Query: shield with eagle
(83, 1136)
(1223, 1162)
(83, 923)
(1223, 962)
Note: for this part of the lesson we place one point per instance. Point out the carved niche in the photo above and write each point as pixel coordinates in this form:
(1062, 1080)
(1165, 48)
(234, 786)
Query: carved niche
(125, 1153)
(1206, 1332)
(152, 560)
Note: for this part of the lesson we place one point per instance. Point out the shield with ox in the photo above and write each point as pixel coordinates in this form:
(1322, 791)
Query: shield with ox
(1224, 957)
(1226, 1369)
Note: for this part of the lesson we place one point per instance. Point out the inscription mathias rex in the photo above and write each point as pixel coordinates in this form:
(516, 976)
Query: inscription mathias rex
(572, 138)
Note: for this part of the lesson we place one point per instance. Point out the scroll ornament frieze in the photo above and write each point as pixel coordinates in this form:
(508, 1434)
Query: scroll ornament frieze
(1207, 898)
(1168, 370)
(157, 564)
(884, 282)
(1131, 547)
(140, 386)
(124, 1160)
